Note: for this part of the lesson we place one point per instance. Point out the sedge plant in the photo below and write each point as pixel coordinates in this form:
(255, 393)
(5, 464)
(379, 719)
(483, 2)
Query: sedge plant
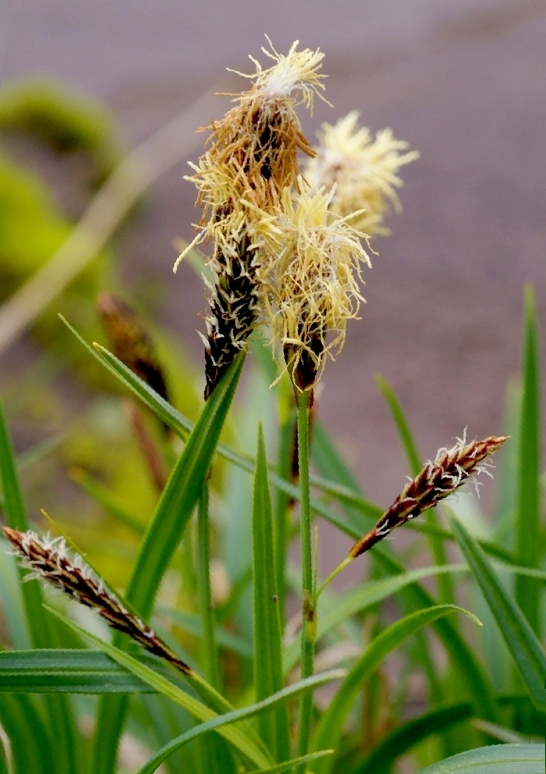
(224, 680)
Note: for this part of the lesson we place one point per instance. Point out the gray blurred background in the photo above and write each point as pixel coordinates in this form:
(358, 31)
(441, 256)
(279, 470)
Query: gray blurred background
(463, 81)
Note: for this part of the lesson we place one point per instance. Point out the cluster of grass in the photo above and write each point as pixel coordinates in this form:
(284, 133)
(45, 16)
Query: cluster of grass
(237, 709)
(210, 670)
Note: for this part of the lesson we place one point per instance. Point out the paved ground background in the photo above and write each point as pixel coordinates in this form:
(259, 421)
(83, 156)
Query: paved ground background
(462, 80)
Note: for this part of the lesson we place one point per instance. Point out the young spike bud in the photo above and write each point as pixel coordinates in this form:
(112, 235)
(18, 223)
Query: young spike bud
(130, 341)
(50, 561)
(437, 480)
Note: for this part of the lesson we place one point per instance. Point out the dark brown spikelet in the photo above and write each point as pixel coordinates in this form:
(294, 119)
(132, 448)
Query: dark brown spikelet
(49, 560)
(437, 480)
(131, 342)
(232, 316)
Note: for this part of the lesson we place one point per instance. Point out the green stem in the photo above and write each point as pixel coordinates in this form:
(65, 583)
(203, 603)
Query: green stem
(309, 624)
(283, 506)
(209, 662)
(334, 574)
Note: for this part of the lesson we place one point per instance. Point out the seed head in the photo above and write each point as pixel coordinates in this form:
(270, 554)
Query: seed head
(437, 480)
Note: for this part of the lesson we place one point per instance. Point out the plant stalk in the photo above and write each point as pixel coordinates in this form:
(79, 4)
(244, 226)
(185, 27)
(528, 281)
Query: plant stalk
(309, 625)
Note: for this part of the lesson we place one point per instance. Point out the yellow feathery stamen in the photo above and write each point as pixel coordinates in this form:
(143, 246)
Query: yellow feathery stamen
(364, 170)
(252, 158)
(297, 71)
(310, 276)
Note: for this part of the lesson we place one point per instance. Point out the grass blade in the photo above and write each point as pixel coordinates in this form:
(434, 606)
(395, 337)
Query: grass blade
(268, 678)
(163, 685)
(16, 518)
(409, 445)
(32, 748)
(528, 524)
(288, 765)
(163, 535)
(497, 759)
(209, 660)
(180, 495)
(516, 631)
(291, 692)
(42, 634)
(331, 724)
(414, 732)
(65, 671)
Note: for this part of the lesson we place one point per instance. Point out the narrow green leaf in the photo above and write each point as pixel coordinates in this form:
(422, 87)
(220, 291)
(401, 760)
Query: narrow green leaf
(159, 405)
(528, 547)
(163, 535)
(32, 748)
(361, 598)
(516, 631)
(410, 734)
(39, 626)
(331, 724)
(210, 664)
(13, 608)
(180, 494)
(287, 765)
(291, 692)
(183, 426)
(163, 685)
(472, 675)
(409, 445)
(329, 462)
(65, 671)
(497, 759)
(16, 518)
(268, 678)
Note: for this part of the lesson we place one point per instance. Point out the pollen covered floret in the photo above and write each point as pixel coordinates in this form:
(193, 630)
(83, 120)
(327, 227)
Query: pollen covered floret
(364, 170)
(311, 276)
(251, 158)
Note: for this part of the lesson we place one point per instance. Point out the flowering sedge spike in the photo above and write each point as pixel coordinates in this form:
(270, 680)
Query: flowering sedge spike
(310, 278)
(437, 480)
(49, 560)
(130, 341)
(252, 158)
(363, 169)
